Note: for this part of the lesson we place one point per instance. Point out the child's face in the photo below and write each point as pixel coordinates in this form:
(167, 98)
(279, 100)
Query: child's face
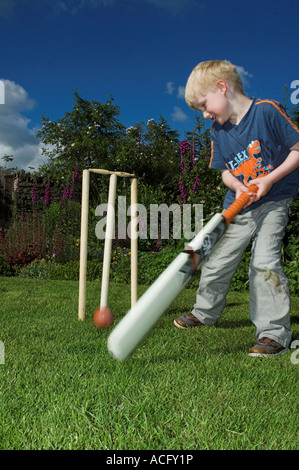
(214, 105)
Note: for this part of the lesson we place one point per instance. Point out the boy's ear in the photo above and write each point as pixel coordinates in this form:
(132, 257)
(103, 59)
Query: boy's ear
(221, 85)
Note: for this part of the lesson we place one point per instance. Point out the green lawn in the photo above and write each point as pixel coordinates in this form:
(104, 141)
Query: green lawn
(197, 389)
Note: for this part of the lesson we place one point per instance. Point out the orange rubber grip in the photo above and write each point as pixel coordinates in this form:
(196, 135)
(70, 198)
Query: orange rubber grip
(237, 205)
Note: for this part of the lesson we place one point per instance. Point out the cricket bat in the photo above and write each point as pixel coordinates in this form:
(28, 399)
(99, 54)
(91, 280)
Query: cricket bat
(149, 308)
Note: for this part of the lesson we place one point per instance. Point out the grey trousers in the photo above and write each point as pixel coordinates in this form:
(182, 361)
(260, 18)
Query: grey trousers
(269, 292)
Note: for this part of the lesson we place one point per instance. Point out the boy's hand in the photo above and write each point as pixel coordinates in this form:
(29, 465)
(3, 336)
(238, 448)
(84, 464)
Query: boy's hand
(235, 185)
(264, 184)
(244, 189)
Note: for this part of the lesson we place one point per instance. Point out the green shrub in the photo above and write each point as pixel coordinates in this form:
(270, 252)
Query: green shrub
(291, 269)
(67, 272)
(150, 266)
(37, 269)
(70, 271)
(240, 279)
(5, 268)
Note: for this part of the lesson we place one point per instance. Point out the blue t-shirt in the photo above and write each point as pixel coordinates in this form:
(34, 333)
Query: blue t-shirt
(255, 147)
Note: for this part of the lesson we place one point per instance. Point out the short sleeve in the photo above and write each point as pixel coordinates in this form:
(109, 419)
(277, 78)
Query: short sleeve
(217, 161)
(284, 130)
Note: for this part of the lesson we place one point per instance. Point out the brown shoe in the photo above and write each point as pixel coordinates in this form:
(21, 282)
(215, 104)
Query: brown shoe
(267, 347)
(187, 321)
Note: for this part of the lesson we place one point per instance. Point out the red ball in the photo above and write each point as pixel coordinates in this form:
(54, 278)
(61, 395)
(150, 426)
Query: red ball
(102, 317)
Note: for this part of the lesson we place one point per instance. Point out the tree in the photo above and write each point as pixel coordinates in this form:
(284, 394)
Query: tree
(7, 159)
(295, 115)
(83, 138)
(151, 151)
(292, 110)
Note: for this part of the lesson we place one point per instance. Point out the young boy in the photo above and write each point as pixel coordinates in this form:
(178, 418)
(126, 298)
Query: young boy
(253, 142)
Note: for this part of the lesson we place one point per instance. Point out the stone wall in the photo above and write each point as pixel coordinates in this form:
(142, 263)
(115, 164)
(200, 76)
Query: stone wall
(16, 193)
(6, 196)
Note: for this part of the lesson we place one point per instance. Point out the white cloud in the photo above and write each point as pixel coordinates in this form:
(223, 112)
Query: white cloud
(181, 92)
(178, 114)
(245, 76)
(170, 88)
(16, 136)
(16, 98)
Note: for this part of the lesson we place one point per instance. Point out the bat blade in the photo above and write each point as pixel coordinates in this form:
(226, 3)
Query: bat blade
(149, 308)
(133, 327)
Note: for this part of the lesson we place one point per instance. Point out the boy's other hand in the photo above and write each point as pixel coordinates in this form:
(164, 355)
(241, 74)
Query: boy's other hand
(245, 189)
(263, 184)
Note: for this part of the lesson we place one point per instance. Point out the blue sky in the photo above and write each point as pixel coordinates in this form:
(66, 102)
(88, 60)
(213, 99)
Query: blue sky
(139, 51)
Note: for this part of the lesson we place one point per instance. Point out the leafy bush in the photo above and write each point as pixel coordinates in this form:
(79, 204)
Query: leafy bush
(38, 269)
(42, 269)
(52, 232)
(5, 268)
(150, 266)
(70, 271)
(291, 269)
(67, 272)
(240, 279)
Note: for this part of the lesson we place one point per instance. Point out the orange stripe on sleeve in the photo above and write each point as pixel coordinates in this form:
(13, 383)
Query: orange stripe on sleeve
(276, 105)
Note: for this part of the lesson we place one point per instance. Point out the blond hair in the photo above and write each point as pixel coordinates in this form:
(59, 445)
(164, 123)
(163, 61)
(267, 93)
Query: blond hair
(204, 76)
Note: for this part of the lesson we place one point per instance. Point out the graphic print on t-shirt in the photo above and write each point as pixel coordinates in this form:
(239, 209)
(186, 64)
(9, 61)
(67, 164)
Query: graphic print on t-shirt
(248, 163)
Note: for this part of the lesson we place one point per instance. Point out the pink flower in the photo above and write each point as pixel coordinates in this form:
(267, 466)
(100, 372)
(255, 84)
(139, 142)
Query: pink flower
(184, 146)
(75, 176)
(48, 195)
(66, 193)
(141, 223)
(34, 195)
(182, 191)
(72, 193)
(196, 184)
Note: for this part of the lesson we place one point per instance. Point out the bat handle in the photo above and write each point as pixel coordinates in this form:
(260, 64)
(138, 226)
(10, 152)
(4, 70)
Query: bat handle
(237, 205)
